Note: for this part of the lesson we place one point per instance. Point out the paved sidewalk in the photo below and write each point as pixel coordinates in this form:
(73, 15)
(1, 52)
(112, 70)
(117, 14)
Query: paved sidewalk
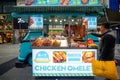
(8, 51)
(117, 57)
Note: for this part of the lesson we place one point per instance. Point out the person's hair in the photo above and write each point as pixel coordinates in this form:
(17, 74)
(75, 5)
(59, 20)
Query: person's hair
(98, 29)
(66, 25)
(106, 25)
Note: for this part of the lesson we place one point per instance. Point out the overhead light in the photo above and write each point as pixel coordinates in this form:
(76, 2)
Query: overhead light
(60, 20)
(50, 20)
(76, 23)
(56, 20)
(72, 20)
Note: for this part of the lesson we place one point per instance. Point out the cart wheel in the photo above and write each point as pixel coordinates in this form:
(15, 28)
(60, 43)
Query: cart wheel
(29, 59)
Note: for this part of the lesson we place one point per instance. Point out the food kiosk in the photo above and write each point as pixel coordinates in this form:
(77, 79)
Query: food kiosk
(59, 56)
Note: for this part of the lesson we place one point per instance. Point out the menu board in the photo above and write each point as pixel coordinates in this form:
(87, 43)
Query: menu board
(35, 22)
(90, 22)
(63, 62)
(61, 2)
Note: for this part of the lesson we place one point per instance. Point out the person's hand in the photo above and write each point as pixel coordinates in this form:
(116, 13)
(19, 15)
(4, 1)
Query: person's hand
(89, 32)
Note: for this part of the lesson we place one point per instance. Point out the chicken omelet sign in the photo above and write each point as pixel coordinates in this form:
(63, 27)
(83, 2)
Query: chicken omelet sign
(63, 62)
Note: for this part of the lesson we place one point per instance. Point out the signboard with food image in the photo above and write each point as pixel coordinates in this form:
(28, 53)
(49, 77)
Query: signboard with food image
(61, 2)
(35, 22)
(88, 56)
(63, 62)
(59, 56)
(90, 22)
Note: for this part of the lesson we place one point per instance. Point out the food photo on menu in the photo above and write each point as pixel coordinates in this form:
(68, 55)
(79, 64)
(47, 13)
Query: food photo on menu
(84, 1)
(88, 56)
(31, 22)
(29, 2)
(64, 2)
(59, 56)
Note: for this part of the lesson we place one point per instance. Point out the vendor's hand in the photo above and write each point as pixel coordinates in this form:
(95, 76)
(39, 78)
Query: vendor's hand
(89, 32)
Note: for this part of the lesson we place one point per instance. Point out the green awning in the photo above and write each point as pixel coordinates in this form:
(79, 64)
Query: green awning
(50, 12)
(50, 9)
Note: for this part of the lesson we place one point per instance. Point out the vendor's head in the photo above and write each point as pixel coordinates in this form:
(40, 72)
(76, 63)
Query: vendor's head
(104, 27)
(66, 26)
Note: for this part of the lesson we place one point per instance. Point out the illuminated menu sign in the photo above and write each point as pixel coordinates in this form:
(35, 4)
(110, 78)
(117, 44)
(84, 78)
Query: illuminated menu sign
(61, 2)
(90, 22)
(63, 62)
(36, 22)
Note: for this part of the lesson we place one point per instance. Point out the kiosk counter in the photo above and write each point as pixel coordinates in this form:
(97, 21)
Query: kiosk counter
(62, 61)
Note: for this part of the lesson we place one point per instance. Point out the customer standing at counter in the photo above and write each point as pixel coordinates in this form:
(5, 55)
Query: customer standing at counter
(65, 31)
(107, 43)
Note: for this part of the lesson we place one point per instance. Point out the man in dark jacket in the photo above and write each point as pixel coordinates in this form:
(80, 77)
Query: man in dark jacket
(107, 44)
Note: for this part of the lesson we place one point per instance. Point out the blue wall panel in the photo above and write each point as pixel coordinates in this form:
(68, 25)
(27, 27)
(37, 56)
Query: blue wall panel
(114, 4)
